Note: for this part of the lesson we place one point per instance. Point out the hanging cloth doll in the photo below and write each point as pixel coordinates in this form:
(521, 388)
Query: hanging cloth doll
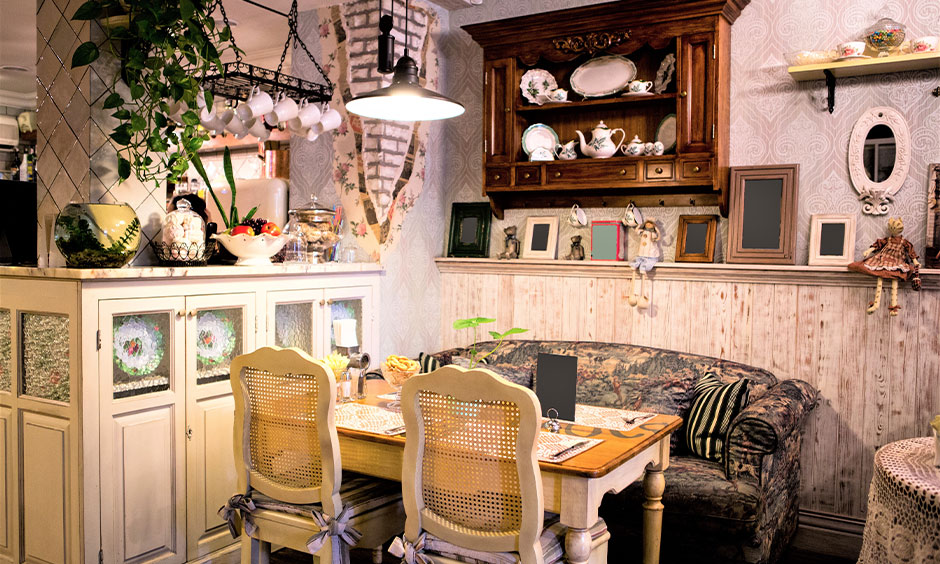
(894, 258)
(648, 254)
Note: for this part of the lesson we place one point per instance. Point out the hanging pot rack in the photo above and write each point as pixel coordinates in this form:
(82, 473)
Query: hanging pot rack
(238, 78)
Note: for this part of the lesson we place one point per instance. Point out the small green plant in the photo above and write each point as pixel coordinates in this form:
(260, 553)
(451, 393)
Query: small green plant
(231, 217)
(475, 322)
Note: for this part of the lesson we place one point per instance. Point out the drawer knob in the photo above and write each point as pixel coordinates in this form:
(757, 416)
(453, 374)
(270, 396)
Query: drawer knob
(506, 110)
(527, 175)
(623, 172)
(497, 176)
(558, 174)
(696, 169)
(659, 170)
(683, 94)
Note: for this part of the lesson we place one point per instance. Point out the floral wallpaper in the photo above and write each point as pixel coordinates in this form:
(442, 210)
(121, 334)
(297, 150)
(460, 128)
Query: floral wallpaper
(774, 120)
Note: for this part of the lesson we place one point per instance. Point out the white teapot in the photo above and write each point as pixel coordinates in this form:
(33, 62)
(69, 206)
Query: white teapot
(601, 145)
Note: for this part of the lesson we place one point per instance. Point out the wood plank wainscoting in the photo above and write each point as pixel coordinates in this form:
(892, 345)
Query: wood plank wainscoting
(878, 376)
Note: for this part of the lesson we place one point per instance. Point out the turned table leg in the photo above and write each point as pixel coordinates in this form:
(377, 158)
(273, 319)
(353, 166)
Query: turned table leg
(653, 486)
(577, 545)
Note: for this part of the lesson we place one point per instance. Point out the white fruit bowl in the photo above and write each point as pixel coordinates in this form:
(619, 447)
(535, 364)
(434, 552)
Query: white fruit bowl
(252, 250)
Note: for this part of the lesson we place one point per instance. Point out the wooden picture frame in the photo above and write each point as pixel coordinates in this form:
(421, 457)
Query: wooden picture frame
(932, 252)
(693, 244)
(831, 239)
(470, 230)
(541, 238)
(762, 218)
(607, 240)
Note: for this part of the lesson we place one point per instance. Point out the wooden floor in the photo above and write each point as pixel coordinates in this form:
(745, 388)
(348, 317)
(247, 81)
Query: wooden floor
(287, 556)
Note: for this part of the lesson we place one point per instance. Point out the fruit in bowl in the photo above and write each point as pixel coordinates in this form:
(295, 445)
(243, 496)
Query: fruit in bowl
(253, 248)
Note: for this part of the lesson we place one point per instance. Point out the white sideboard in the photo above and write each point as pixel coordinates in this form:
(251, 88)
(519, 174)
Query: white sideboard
(116, 410)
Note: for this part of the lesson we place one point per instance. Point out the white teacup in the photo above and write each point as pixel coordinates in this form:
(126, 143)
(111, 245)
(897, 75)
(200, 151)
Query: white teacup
(658, 148)
(226, 115)
(259, 130)
(175, 110)
(284, 110)
(541, 154)
(210, 120)
(258, 104)
(308, 115)
(577, 217)
(852, 49)
(238, 128)
(314, 132)
(648, 148)
(330, 120)
(558, 95)
(640, 86)
(925, 44)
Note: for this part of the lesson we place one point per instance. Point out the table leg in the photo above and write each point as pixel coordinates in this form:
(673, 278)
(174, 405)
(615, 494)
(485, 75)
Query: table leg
(654, 484)
(577, 545)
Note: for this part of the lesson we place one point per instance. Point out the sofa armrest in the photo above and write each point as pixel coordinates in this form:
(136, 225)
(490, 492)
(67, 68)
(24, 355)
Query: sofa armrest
(765, 424)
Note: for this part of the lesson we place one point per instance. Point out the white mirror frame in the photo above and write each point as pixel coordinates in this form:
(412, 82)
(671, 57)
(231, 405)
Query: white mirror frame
(877, 195)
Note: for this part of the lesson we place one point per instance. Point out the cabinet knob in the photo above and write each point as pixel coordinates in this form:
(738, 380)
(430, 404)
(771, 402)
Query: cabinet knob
(558, 174)
(683, 94)
(659, 170)
(696, 169)
(180, 314)
(329, 302)
(623, 172)
(322, 303)
(191, 314)
(507, 110)
(527, 175)
(497, 176)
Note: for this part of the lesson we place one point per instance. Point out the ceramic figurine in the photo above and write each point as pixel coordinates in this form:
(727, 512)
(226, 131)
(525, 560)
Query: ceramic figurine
(648, 254)
(511, 246)
(601, 145)
(577, 251)
(893, 258)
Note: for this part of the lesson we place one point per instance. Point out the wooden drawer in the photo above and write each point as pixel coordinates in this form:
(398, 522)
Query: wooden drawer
(696, 169)
(594, 172)
(497, 176)
(660, 170)
(528, 175)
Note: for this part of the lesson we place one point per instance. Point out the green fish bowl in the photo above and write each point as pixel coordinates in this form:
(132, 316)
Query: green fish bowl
(97, 235)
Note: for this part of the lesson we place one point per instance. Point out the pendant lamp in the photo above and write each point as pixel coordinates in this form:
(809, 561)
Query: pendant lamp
(404, 99)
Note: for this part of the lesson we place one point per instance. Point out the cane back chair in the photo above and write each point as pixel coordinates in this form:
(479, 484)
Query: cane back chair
(288, 465)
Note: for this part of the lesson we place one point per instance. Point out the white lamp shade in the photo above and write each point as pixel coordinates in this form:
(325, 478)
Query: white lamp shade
(344, 333)
(404, 102)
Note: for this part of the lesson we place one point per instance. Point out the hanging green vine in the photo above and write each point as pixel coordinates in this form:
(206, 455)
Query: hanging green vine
(166, 49)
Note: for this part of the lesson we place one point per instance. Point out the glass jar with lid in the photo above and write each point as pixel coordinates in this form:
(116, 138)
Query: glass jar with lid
(321, 229)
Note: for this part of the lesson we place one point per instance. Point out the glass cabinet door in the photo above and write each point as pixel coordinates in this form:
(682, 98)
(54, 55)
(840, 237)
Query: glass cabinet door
(292, 319)
(349, 310)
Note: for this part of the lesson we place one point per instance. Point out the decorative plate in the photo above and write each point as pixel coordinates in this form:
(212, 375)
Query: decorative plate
(664, 74)
(632, 94)
(215, 339)
(138, 346)
(666, 132)
(536, 85)
(603, 76)
(539, 135)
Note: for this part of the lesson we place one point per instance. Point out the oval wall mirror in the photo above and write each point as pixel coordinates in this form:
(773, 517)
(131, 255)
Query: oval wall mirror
(879, 157)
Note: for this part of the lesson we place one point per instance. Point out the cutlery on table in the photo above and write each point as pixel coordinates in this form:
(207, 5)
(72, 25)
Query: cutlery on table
(565, 451)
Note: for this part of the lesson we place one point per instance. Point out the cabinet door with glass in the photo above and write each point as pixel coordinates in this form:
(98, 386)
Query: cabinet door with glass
(218, 328)
(293, 320)
(348, 320)
(142, 394)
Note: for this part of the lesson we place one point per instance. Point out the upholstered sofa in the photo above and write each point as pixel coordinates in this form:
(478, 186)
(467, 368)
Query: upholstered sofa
(743, 509)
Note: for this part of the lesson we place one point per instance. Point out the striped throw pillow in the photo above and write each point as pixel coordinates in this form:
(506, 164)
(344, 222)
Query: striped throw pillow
(428, 363)
(713, 408)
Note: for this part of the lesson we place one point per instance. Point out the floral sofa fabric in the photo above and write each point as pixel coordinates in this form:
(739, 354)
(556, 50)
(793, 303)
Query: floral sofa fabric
(741, 510)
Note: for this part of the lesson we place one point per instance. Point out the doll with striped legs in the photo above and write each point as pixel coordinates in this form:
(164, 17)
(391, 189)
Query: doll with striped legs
(892, 257)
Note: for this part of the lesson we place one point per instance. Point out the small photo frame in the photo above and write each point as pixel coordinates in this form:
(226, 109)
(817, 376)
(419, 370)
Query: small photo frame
(541, 238)
(932, 253)
(695, 241)
(831, 239)
(470, 230)
(606, 240)
(762, 214)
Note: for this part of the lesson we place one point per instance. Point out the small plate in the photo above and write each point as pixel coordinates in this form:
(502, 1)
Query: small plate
(666, 133)
(539, 135)
(536, 84)
(603, 76)
(631, 94)
(853, 57)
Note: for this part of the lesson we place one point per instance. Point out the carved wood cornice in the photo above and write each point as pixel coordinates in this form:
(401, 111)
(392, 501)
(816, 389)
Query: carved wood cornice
(590, 43)
(741, 273)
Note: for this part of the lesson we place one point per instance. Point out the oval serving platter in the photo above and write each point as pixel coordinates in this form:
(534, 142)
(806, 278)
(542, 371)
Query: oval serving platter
(603, 76)
(666, 132)
(539, 135)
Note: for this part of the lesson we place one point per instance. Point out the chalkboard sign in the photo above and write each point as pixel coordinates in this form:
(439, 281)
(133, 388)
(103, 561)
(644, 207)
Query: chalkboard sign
(696, 238)
(556, 384)
(762, 214)
(831, 239)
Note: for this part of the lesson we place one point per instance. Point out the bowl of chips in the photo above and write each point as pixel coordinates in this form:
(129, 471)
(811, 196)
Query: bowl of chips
(396, 369)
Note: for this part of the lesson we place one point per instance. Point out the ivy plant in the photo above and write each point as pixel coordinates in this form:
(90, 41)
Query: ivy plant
(473, 323)
(166, 50)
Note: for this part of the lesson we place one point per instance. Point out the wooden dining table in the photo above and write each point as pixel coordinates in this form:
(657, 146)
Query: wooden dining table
(573, 488)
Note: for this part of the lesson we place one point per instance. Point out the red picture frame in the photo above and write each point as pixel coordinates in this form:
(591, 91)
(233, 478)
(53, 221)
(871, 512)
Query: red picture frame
(603, 234)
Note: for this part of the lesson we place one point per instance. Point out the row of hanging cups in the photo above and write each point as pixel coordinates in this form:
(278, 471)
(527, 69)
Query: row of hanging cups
(305, 119)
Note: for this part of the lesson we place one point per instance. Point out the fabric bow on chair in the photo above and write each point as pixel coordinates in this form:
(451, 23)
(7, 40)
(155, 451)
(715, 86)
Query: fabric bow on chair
(240, 505)
(410, 553)
(336, 528)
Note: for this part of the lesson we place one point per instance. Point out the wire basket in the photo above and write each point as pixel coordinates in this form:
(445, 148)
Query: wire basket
(184, 254)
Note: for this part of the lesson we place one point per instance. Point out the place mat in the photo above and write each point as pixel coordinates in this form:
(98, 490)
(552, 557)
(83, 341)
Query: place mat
(369, 418)
(392, 396)
(610, 418)
(554, 447)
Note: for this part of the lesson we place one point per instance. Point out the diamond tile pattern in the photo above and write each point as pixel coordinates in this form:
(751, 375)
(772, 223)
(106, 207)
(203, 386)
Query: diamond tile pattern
(77, 160)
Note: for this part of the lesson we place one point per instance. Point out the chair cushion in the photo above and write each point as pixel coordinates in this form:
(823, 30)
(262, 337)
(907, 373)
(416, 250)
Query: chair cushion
(522, 375)
(552, 541)
(362, 493)
(713, 408)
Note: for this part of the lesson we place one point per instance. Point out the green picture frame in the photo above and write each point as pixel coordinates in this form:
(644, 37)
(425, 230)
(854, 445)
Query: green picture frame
(470, 230)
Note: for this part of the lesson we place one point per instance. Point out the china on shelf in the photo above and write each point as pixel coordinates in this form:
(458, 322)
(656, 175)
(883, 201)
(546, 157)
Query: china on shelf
(566, 152)
(635, 147)
(601, 145)
(541, 154)
(538, 86)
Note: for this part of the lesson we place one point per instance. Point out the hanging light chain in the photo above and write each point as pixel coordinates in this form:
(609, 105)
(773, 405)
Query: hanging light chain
(221, 6)
(292, 18)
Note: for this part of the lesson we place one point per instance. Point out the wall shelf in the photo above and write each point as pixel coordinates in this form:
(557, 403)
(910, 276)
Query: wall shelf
(860, 67)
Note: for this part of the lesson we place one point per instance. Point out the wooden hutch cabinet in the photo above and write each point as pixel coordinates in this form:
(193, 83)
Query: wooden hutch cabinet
(694, 172)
